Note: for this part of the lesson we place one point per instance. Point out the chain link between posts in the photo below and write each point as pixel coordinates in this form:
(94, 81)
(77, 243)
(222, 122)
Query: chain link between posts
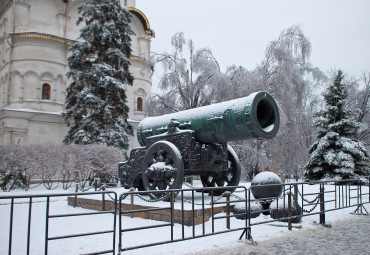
(92, 185)
(210, 203)
(313, 208)
(184, 199)
(217, 199)
(151, 200)
(310, 202)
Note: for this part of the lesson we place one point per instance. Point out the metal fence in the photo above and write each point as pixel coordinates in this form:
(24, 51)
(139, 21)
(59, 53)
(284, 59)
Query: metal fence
(193, 209)
(303, 199)
(26, 215)
(187, 214)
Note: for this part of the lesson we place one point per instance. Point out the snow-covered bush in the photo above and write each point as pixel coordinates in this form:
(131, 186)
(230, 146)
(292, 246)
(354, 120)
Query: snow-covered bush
(57, 164)
(43, 160)
(14, 173)
(102, 162)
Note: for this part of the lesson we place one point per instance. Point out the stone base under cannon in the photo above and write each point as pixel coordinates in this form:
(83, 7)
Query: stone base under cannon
(160, 215)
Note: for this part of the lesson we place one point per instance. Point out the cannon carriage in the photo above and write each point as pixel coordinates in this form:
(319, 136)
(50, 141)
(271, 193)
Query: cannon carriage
(194, 142)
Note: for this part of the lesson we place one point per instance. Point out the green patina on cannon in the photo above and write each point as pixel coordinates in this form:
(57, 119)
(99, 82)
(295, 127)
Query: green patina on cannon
(194, 142)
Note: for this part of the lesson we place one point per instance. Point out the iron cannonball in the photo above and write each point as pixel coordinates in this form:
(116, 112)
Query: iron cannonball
(240, 210)
(266, 185)
(279, 210)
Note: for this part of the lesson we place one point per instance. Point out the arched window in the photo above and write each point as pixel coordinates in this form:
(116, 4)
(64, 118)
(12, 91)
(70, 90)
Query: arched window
(45, 91)
(139, 104)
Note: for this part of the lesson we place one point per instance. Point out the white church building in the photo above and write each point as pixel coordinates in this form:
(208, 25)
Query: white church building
(34, 39)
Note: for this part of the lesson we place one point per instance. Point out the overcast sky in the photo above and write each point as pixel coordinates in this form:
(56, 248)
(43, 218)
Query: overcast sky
(238, 31)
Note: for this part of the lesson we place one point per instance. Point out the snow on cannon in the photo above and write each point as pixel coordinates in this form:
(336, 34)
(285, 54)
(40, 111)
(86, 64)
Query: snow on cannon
(194, 142)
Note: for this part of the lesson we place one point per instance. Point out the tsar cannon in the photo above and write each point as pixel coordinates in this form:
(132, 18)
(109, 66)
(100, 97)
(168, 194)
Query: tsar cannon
(194, 142)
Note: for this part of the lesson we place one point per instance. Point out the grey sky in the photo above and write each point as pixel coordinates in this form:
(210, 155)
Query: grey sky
(238, 31)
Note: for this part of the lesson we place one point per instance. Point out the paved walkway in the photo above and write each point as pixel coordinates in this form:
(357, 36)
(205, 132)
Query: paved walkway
(351, 236)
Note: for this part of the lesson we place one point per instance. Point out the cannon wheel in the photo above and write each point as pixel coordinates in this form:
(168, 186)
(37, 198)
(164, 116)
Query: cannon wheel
(163, 169)
(231, 177)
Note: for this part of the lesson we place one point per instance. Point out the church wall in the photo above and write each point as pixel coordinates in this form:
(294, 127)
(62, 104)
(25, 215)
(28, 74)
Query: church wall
(73, 31)
(37, 16)
(59, 91)
(26, 118)
(134, 41)
(5, 29)
(29, 86)
(3, 80)
(13, 128)
(141, 88)
(30, 127)
(38, 61)
(48, 17)
(46, 129)
(16, 87)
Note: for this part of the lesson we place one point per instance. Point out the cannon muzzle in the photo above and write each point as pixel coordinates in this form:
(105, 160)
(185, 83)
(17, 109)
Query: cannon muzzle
(255, 116)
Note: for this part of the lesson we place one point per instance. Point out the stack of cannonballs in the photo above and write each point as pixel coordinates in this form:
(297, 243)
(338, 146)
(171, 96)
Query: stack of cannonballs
(267, 187)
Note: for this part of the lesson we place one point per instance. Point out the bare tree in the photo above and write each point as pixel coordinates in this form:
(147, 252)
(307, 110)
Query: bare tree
(189, 78)
(252, 156)
(288, 75)
(285, 72)
(241, 83)
(363, 96)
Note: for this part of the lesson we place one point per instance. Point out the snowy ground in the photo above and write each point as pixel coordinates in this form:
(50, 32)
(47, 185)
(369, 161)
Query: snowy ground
(80, 245)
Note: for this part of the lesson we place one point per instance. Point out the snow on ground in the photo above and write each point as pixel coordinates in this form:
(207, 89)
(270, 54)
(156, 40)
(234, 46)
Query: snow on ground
(91, 223)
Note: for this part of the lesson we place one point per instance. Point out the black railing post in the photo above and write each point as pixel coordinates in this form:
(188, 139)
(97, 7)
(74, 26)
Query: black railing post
(212, 214)
(103, 202)
(227, 194)
(75, 201)
(11, 226)
(29, 225)
(192, 211)
(182, 215)
(247, 230)
(172, 212)
(290, 211)
(114, 223)
(132, 215)
(360, 194)
(302, 200)
(203, 215)
(295, 188)
(248, 233)
(47, 225)
(322, 204)
(120, 224)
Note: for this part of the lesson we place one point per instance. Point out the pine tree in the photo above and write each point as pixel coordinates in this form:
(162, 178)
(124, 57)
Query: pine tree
(95, 107)
(337, 154)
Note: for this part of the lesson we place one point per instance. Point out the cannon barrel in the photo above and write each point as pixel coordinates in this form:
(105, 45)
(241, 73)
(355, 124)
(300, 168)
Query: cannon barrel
(255, 116)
